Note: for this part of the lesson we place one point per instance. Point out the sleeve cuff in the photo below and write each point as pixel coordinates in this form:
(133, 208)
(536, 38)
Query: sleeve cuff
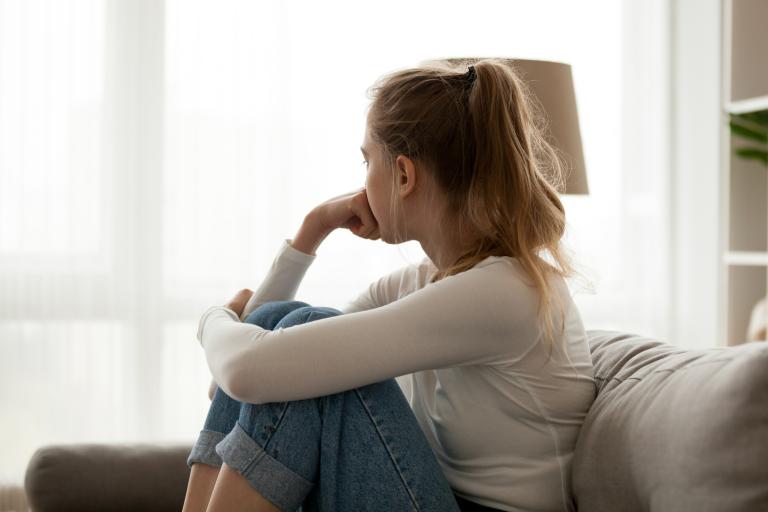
(208, 312)
(293, 254)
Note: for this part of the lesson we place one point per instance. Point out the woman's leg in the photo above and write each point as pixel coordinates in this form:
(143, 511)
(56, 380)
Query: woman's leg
(361, 449)
(222, 415)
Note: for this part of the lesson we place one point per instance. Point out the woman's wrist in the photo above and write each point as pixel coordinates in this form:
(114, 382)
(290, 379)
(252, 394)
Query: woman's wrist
(310, 235)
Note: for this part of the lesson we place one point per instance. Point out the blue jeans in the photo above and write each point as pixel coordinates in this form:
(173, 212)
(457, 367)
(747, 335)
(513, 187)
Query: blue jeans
(360, 449)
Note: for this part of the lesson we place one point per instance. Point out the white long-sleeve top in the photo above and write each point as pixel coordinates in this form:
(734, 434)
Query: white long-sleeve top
(501, 423)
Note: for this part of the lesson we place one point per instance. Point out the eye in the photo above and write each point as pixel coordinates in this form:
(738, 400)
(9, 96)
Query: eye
(364, 162)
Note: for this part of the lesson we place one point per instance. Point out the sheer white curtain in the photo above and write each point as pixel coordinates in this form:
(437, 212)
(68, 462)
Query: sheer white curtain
(153, 155)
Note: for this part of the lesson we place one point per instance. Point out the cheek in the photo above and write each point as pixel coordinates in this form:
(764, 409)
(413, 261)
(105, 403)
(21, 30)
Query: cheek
(377, 194)
(371, 191)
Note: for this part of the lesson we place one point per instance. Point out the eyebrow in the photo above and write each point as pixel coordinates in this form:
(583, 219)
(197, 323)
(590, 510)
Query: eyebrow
(364, 153)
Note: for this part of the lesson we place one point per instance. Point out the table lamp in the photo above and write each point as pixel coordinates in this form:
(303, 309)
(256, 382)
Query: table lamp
(552, 85)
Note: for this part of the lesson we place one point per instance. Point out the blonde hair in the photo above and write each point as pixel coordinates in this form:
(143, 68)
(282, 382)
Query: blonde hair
(483, 143)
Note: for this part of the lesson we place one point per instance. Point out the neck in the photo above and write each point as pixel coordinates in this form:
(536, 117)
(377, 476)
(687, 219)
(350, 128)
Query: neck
(444, 246)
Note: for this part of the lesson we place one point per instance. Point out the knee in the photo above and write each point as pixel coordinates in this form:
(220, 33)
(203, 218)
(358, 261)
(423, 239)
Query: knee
(267, 315)
(223, 412)
(307, 314)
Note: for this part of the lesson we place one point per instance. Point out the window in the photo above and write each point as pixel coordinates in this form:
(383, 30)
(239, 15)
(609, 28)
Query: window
(153, 155)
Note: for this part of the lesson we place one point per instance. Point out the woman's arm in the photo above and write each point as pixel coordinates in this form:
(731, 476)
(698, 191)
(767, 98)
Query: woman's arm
(286, 272)
(310, 235)
(289, 266)
(476, 317)
(350, 210)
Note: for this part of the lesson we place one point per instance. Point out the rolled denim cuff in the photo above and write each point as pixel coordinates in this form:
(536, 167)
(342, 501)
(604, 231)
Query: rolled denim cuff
(285, 488)
(204, 449)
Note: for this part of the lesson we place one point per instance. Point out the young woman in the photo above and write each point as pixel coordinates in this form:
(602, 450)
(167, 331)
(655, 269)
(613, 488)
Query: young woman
(307, 413)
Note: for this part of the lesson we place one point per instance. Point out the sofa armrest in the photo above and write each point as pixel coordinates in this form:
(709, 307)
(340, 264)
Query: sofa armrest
(103, 477)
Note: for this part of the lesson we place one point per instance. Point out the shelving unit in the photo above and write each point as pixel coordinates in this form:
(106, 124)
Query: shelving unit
(744, 228)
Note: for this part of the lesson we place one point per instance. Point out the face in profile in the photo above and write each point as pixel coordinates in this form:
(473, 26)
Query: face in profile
(378, 187)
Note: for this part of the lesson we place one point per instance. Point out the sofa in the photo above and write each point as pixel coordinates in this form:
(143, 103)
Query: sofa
(671, 429)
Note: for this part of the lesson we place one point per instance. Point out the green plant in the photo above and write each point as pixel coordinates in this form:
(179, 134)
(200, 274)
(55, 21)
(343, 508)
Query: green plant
(752, 126)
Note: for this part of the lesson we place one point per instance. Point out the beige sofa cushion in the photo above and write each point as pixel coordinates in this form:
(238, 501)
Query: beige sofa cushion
(674, 429)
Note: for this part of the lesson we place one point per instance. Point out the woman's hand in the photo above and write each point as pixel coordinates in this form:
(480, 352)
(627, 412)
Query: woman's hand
(350, 211)
(238, 302)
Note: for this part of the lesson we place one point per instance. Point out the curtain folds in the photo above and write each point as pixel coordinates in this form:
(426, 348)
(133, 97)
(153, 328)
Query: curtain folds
(154, 154)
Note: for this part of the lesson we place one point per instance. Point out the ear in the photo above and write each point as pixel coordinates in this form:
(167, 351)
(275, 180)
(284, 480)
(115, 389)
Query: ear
(406, 174)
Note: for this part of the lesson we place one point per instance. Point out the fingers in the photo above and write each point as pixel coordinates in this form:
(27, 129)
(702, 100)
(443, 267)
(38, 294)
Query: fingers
(362, 209)
(369, 229)
(243, 296)
(239, 301)
(370, 234)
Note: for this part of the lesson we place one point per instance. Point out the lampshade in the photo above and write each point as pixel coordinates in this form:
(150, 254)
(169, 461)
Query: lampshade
(552, 84)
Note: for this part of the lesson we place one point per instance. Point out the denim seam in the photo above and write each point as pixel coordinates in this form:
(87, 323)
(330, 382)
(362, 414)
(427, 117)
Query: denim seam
(386, 445)
(272, 431)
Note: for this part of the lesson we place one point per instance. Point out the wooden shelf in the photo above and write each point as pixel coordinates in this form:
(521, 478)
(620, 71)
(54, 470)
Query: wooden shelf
(748, 49)
(746, 258)
(748, 105)
(744, 214)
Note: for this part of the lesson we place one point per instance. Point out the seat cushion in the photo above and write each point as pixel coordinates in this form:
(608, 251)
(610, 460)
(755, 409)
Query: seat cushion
(674, 429)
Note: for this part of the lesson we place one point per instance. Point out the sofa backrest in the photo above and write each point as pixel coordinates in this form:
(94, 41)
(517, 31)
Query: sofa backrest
(674, 429)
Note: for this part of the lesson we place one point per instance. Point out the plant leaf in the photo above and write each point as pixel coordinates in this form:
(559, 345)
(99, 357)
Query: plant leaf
(754, 154)
(748, 132)
(760, 117)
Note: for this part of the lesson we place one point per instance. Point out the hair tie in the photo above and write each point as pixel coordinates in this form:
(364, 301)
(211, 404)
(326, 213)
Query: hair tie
(471, 74)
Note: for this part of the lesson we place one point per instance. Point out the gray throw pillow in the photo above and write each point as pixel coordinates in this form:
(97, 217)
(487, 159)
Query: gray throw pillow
(674, 429)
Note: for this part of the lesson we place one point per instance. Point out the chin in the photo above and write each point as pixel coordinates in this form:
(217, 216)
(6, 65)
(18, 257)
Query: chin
(387, 238)
(394, 241)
